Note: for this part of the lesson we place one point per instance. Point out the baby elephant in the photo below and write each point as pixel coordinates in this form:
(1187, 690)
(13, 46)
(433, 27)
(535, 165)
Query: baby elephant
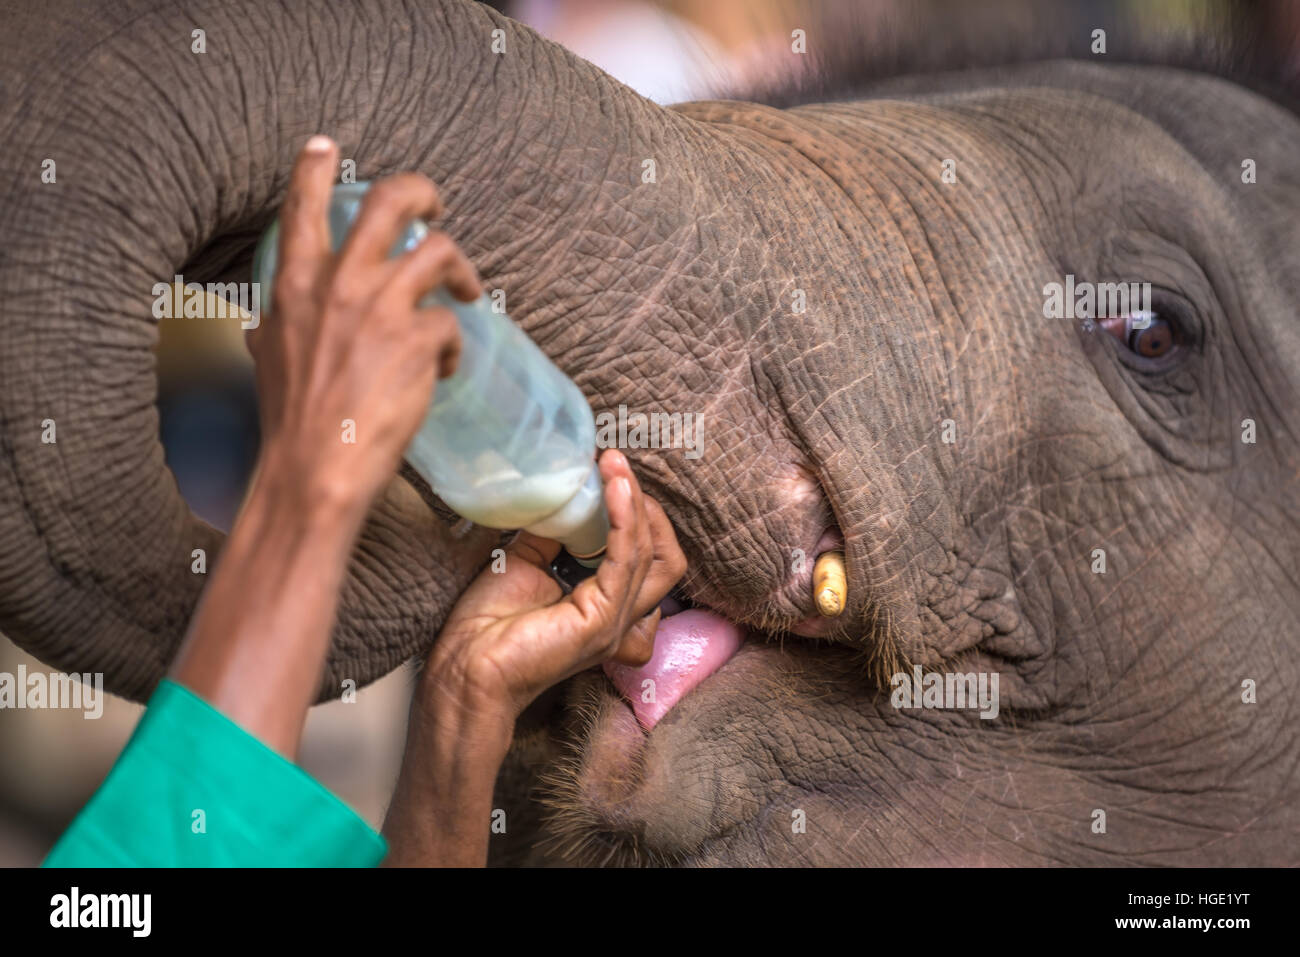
(1018, 347)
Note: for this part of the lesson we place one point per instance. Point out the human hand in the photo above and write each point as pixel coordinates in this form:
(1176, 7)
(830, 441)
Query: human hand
(510, 637)
(514, 634)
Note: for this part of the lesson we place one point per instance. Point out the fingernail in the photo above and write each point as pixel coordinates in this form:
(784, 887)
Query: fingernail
(319, 144)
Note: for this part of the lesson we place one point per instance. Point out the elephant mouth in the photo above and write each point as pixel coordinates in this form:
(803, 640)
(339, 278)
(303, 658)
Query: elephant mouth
(694, 641)
(611, 786)
(612, 782)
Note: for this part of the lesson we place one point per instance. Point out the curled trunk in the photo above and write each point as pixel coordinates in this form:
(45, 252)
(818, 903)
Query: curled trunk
(167, 160)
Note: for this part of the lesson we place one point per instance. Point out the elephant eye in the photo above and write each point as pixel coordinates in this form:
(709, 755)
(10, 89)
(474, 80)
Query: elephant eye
(1144, 332)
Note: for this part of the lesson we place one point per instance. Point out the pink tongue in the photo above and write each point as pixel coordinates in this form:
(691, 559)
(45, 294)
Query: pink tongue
(689, 647)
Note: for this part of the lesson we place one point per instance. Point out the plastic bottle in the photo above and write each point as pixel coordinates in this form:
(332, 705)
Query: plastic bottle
(509, 440)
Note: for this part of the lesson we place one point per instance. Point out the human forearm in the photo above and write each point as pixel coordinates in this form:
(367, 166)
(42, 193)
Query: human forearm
(257, 644)
(442, 806)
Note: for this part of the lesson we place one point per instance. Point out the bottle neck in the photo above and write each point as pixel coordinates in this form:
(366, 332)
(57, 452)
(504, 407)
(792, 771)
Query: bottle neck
(582, 524)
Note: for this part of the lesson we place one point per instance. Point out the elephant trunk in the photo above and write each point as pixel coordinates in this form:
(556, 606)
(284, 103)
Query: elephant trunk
(145, 139)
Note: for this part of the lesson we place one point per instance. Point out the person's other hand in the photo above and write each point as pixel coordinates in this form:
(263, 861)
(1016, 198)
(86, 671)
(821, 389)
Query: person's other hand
(514, 634)
(346, 360)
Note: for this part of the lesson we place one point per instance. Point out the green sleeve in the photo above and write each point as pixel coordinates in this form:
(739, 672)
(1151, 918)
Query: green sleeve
(258, 809)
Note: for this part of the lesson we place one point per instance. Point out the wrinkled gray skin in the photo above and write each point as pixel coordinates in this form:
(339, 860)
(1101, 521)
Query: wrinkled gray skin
(1120, 692)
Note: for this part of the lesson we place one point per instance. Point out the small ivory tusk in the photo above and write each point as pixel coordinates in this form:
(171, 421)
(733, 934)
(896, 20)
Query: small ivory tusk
(830, 584)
